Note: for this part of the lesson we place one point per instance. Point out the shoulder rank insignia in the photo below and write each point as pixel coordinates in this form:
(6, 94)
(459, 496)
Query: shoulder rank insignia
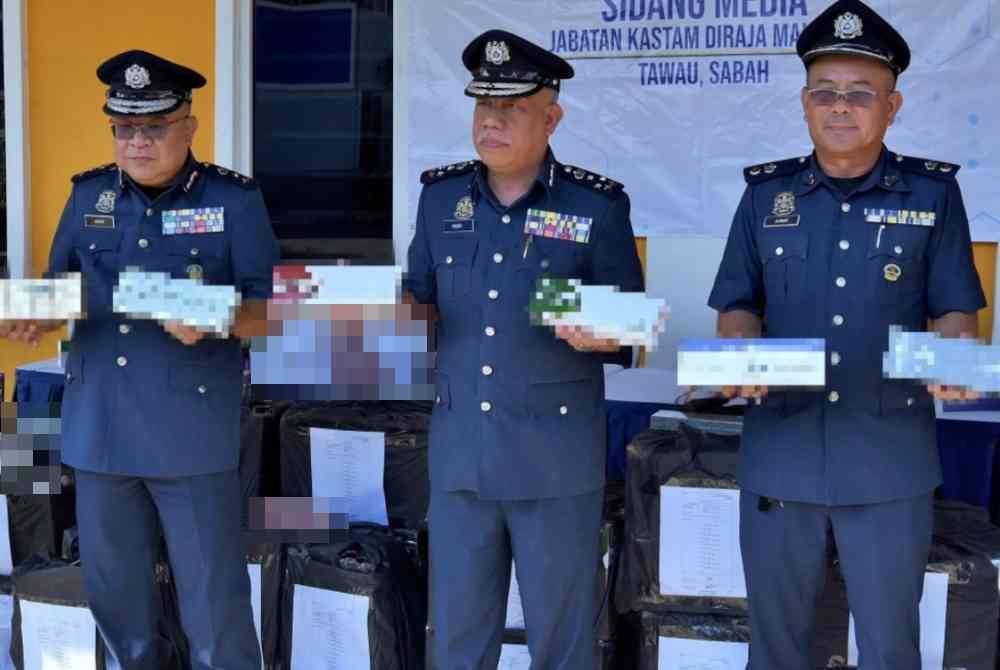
(591, 179)
(445, 171)
(764, 171)
(93, 172)
(931, 168)
(230, 175)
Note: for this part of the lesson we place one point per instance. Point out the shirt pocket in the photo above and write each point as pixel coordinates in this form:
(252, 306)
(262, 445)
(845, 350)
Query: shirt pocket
(895, 274)
(785, 260)
(453, 267)
(563, 399)
(202, 257)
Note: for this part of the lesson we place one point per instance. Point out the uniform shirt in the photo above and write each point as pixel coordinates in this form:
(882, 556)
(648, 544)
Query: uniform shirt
(816, 262)
(519, 413)
(138, 401)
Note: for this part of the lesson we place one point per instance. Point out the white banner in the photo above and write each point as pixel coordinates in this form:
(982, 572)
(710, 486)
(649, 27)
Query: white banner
(674, 97)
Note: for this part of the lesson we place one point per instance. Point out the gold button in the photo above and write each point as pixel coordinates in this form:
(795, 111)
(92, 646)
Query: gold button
(505, 218)
(846, 207)
(486, 405)
(143, 243)
(122, 361)
(124, 328)
(493, 294)
(490, 331)
(564, 410)
(845, 245)
(487, 370)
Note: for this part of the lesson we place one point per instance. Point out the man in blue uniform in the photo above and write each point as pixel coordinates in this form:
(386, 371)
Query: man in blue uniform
(517, 452)
(840, 245)
(151, 412)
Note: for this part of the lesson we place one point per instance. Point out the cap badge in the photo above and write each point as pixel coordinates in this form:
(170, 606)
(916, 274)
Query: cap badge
(848, 26)
(137, 77)
(497, 52)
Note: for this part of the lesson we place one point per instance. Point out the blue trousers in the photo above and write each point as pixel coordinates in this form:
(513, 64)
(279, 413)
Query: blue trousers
(120, 520)
(883, 551)
(554, 544)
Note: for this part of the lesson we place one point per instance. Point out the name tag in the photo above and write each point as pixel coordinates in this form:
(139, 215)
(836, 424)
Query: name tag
(558, 226)
(98, 221)
(194, 221)
(901, 217)
(459, 226)
(781, 221)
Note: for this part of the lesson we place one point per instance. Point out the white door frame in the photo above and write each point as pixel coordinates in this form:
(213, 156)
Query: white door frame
(234, 85)
(18, 147)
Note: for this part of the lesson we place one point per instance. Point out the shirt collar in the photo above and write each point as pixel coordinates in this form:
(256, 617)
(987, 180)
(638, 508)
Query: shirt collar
(186, 177)
(885, 175)
(546, 177)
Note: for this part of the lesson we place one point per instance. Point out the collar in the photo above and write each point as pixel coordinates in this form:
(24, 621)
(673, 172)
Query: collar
(546, 177)
(186, 177)
(886, 175)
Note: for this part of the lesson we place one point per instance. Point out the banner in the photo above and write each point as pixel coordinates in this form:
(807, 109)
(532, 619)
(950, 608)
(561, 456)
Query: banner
(674, 98)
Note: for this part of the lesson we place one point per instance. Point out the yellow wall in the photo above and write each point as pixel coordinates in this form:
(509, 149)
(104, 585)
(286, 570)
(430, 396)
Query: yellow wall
(68, 133)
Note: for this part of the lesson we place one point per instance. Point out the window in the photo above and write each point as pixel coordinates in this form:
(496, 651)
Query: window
(322, 137)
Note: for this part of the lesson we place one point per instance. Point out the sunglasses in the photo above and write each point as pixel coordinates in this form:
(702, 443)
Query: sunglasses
(828, 97)
(152, 131)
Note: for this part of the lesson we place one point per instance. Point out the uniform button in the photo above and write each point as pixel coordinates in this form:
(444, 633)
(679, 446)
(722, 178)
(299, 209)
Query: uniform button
(846, 207)
(143, 243)
(779, 251)
(835, 359)
(490, 331)
(838, 320)
(92, 246)
(437, 400)
(545, 263)
(493, 294)
(69, 376)
(449, 260)
(841, 282)
(194, 251)
(498, 257)
(486, 405)
(845, 245)
(487, 370)
(834, 396)
(564, 410)
(202, 389)
(124, 329)
(898, 250)
(505, 218)
(149, 212)
(910, 402)
(122, 361)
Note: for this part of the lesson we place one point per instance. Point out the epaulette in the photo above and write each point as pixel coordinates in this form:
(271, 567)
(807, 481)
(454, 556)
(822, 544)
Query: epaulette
(592, 180)
(230, 175)
(93, 172)
(756, 174)
(437, 174)
(930, 168)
